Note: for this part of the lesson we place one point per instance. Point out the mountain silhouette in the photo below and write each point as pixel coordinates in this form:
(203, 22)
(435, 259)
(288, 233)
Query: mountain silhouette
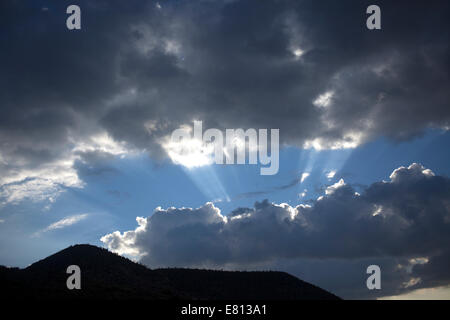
(105, 275)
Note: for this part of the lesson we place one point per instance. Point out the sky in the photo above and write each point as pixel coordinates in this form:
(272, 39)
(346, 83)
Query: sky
(363, 119)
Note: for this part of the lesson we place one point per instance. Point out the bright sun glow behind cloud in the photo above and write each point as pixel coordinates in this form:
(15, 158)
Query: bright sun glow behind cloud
(190, 153)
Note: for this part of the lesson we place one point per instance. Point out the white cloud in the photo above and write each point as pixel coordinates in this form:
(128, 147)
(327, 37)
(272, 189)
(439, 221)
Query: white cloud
(304, 176)
(332, 189)
(47, 181)
(68, 221)
(331, 174)
(63, 223)
(44, 183)
(378, 210)
(101, 142)
(324, 100)
(127, 241)
(303, 194)
(414, 171)
(350, 140)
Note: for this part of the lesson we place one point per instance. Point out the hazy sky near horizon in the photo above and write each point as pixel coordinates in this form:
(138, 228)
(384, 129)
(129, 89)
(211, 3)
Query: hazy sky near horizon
(363, 117)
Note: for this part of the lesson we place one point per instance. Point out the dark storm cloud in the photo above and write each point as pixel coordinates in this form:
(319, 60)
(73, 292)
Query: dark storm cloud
(400, 224)
(51, 78)
(94, 163)
(139, 72)
(56, 86)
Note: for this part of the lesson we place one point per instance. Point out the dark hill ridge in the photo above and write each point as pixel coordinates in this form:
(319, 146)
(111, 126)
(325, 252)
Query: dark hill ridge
(105, 275)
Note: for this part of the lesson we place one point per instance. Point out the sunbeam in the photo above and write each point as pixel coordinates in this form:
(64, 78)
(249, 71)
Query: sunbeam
(207, 181)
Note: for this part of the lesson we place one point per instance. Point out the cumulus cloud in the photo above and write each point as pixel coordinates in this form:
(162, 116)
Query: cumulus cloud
(333, 188)
(408, 235)
(139, 76)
